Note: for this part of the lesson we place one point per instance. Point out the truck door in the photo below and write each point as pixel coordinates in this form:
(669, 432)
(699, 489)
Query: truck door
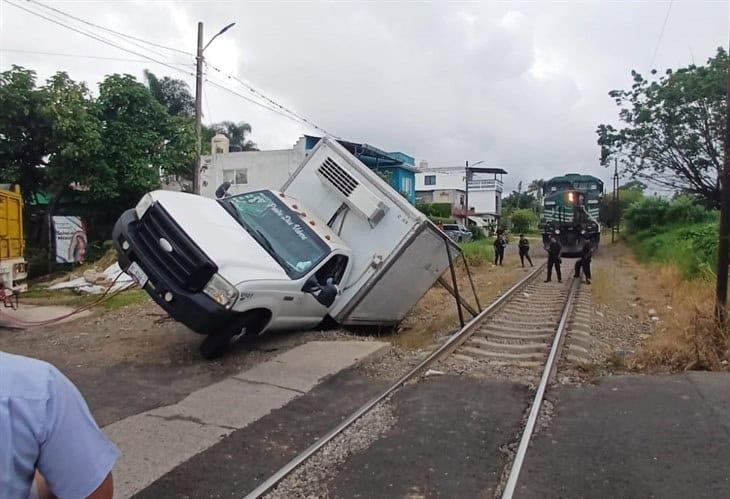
(333, 268)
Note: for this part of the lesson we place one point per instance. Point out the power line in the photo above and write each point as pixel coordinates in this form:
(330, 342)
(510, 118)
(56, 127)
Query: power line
(248, 87)
(95, 37)
(661, 34)
(109, 29)
(82, 56)
(277, 108)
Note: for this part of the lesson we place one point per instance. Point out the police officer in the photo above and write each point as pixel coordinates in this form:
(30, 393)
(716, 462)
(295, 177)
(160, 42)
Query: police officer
(499, 244)
(584, 262)
(554, 249)
(524, 247)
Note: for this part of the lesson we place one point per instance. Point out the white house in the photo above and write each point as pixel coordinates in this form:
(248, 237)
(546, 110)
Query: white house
(248, 170)
(485, 194)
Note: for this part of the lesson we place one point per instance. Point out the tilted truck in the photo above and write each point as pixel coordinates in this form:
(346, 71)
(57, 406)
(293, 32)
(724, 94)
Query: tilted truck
(13, 267)
(335, 241)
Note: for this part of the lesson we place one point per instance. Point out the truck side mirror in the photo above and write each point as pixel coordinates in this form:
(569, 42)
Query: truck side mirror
(222, 189)
(325, 295)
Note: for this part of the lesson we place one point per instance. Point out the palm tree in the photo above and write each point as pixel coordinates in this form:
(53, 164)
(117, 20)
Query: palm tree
(173, 94)
(536, 187)
(236, 133)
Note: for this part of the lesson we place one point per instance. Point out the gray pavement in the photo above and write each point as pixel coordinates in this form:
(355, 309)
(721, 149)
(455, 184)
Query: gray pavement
(154, 442)
(635, 437)
(445, 444)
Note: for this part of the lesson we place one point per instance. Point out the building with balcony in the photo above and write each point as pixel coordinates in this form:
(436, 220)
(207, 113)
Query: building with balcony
(484, 194)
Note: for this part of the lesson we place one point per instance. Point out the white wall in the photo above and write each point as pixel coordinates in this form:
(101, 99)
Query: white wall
(259, 169)
(443, 181)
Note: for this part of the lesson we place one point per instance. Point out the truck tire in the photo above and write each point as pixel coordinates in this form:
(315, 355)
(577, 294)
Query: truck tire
(216, 344)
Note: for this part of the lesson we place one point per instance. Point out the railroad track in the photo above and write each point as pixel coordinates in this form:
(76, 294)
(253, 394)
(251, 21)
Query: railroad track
(525, 326)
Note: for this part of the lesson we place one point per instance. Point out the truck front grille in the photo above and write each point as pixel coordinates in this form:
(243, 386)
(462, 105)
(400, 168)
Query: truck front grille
(186, 264)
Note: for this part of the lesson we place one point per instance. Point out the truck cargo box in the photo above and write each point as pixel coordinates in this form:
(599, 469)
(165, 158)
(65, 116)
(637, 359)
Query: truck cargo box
(398, 254)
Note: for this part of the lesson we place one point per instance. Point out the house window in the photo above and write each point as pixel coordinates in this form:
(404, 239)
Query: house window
(461, 200)
(429, 180)
(236, 177)
(407, 185)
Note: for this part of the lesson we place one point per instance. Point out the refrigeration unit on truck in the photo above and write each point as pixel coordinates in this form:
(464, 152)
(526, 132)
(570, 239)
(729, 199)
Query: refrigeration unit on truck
(335, 241)
(13, 267)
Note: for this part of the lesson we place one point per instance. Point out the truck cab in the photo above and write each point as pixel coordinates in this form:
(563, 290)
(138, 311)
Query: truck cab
(240, 265)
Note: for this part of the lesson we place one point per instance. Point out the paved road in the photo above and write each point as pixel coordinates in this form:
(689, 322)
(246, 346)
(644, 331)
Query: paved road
(629, 436)
(635, 436)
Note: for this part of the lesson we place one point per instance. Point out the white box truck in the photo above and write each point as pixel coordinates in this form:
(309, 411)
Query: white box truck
(335, 241)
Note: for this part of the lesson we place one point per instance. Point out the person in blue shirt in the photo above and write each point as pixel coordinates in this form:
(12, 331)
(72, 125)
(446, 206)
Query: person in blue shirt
(49, 442)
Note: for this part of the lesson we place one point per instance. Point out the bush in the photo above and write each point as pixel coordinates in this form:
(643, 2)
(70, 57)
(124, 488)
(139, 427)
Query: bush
(477, 233)
(647, 212)
(437, 210)
(684, 209)
(522, 220)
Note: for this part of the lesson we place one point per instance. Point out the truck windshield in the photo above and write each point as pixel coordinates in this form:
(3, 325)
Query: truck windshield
(279, 230)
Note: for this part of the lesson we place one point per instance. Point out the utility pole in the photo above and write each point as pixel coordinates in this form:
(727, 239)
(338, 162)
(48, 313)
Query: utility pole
(198, 109)
(466, 194)
(616, 213)
(724, 244)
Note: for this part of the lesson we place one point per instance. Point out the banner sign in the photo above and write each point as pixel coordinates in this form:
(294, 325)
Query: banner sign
(70, 239)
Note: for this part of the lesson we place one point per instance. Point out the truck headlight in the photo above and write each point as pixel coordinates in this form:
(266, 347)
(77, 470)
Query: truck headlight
(221, 291)
(143, 205)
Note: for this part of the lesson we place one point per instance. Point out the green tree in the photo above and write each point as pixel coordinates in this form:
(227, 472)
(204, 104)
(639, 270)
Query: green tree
(673, 128)
(76, 155)
(172, 93)
(25, 131)
(519, 200)
(141, 140)
(536, 189)
(609, 211)
(523, 220)
(236, 133)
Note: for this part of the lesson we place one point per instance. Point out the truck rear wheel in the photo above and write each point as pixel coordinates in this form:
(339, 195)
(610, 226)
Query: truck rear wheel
(216, 344)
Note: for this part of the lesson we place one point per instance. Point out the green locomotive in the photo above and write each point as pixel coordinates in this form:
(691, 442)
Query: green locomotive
(570, 211)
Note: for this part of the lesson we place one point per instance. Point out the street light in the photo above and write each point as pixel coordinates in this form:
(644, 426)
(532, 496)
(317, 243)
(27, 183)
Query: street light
(199, 99)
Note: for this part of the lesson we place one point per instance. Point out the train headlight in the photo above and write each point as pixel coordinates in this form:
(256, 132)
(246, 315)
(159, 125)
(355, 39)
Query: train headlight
(583, 232)
(557, 231)
(571, 197)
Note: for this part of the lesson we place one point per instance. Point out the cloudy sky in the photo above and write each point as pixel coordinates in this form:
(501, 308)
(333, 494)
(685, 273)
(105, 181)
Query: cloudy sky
(521, 85)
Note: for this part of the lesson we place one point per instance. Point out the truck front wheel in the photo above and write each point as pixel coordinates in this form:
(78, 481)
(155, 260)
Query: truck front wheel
(218, 343)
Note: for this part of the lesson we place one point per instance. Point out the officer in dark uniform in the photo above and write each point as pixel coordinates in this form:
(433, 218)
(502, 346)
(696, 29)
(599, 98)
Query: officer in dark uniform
(554, 249)
(499, 244)
(524, 247)
(584, 262)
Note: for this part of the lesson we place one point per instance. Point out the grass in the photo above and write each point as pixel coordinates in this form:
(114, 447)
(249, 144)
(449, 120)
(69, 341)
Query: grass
(689, 338)
(692, 248)
(478, 252)
(40, 295)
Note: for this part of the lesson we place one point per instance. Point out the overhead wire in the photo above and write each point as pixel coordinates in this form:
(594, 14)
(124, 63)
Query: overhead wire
(273, 105)
(82, 56)
(661, 34)
(125, 35)
(96, 37)
(271, 101)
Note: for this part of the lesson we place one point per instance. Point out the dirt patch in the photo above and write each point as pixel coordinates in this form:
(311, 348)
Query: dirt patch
(436, 315)
(652, 318)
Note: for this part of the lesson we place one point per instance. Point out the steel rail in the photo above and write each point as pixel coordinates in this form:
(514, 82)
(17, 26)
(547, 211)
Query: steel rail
(551, 362)
(452, 343)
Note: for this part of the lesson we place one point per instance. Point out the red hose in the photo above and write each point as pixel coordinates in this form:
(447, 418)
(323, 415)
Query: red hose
(75, 311)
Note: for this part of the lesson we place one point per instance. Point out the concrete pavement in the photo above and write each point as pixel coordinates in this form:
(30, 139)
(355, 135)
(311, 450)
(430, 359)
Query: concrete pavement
(156, 441)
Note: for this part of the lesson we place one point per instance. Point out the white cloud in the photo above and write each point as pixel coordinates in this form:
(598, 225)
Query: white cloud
(520, 85)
